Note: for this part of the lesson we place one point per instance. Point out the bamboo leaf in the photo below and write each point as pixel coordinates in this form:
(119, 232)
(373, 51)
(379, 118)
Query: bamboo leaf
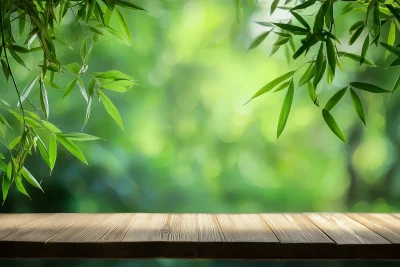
(20, 186)
(331, 55)
(335, 99)
(396, 85)
(304, 5)
(392, 49)
(76, 136)
(364, 49)
(269, 86)
(356, 34)
(70, 86)
(44, 101)
(287, 104)
(330, 121)
(356, 58)
(123, 25)
(274, 5)
(52, 151)
(111, 109)
(312, 94)
(358, 105)
(30, 179)
(369, 87)
(258, 40)
(391, 37)
(308, 75)
(292, 28)
(71, 147)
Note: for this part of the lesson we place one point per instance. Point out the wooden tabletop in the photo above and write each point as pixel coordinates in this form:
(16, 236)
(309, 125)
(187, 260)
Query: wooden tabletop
(201, 236)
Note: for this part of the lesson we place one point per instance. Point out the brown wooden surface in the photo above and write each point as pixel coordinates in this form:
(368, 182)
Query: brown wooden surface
(201, 236)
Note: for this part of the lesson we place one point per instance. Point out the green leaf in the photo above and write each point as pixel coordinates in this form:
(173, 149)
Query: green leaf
(112, 75)
(21, 25)
(364, 49)
(330, 121)
(68, 144)
(281, 41)
(269, 86)
(5, 68)
(368, 87)
(18, 59)
(258, 40)
(304, 5)
(75, 136)
(266, 24)
(312, 94)
(287, 104)
(396, 85)
(274, 5)
(331, 55)
(44, 101)
(14, 142)
(395, 62)
(335, 99)
(391, 37)
(356, 58)
(118, 86)
(356, 34)
(392, 49)
(52, 152)
(282, 86)
(82, 89)
(27, 90)
(20, 186)
(123, 25)
(308, 75)
(292, 28)
(83, 49)
(129, 5)
(43, 152)
(30, 179)
(51, 127)
(111, 109)
(70, 86)
(19, 49)
(73, 68)
(356, 25)
(300, 19)
(358, 105)
(320, 73)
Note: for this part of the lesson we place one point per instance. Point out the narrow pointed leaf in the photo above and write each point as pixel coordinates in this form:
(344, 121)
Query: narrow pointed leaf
(330, 121)
(258, 40)
(364, 49)
(308, 75)
(335, 99)
(312, 94)
(392, 49)
(287, 104)
(68, 144)
(30, 179)
(52, 151)
(269, 86)
(396, 85)
(369, 87)
(358, 105)
(331, 55)
(391, 37)
(111, 109)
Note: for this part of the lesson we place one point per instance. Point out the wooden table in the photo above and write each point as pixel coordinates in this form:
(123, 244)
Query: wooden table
(201, 236)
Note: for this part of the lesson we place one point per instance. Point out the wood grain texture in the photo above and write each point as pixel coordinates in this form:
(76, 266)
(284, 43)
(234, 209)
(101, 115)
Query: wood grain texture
(201, 236)
(299, 237)
(351, 237)
(30, 240)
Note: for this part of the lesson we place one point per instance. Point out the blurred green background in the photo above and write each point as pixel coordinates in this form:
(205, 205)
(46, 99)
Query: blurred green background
(191, 145)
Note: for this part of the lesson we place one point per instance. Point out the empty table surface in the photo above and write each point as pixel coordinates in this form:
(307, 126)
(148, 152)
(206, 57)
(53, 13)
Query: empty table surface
(201, 236)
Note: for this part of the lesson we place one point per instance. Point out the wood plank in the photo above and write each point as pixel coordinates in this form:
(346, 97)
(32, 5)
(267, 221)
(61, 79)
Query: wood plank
(30, 240)
(299, 237)
(386, 225)
(200, 236)
(247, 236)
(11, 223)
(95, 236)
(349, 235)
(162, 235)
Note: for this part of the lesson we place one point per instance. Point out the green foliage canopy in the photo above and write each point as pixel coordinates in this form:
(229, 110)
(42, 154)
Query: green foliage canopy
(320, 36)
(37, 24)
